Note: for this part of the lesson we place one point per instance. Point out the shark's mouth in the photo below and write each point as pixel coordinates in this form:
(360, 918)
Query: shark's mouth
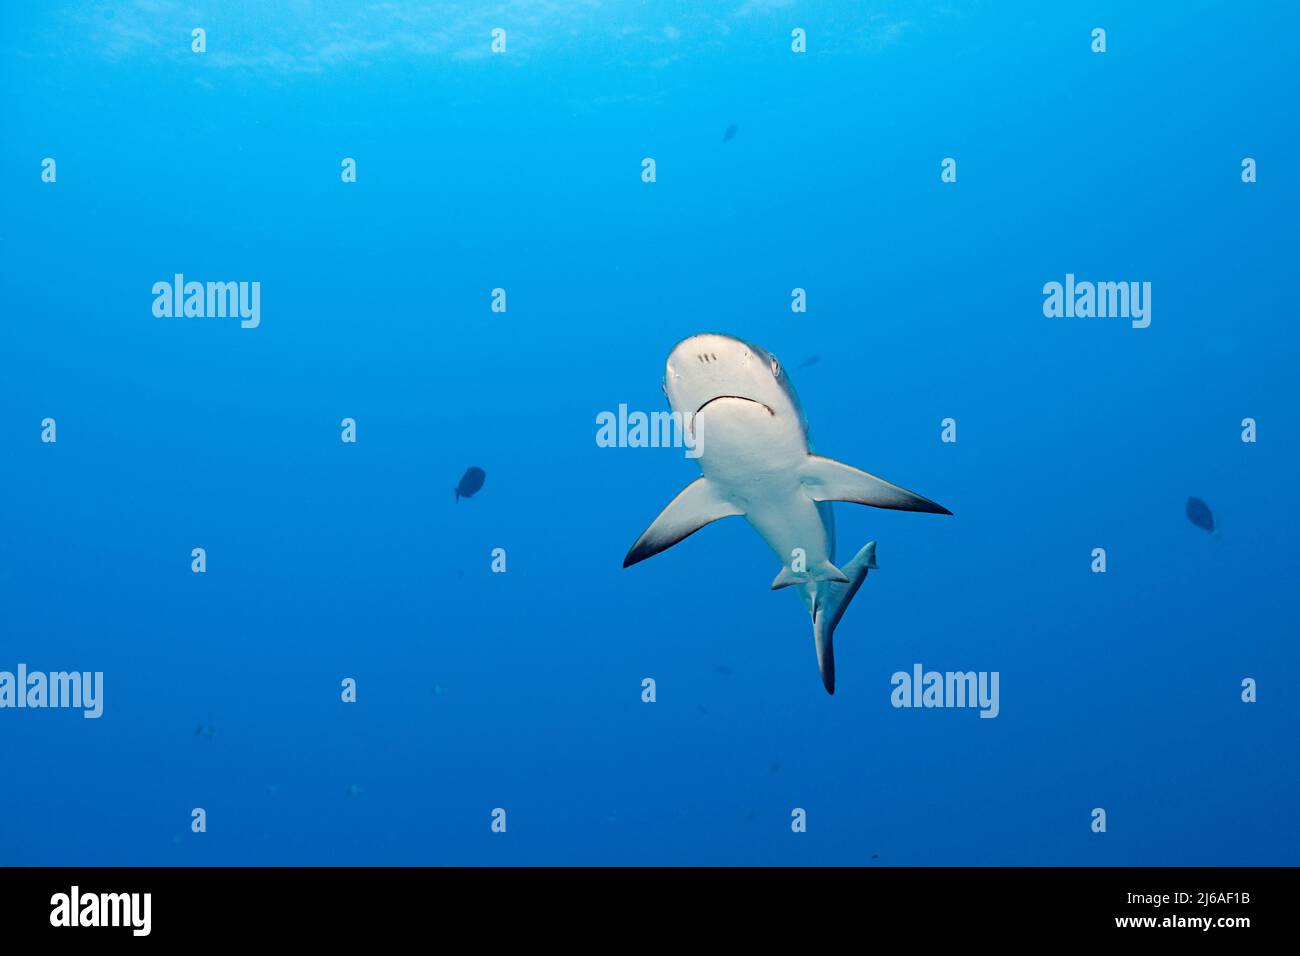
(741, 398)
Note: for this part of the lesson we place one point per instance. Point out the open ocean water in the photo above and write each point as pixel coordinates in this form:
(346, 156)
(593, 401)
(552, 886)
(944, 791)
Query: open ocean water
(1162, 691)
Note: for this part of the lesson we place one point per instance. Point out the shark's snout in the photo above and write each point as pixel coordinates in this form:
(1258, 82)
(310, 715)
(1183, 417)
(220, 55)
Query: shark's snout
(709, 366)
(708, 350)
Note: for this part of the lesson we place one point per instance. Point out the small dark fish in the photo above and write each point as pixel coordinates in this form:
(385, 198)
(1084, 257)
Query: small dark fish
(1198, 513)
(470, 483)
(730, 134)
(775, 768)
(810, 361)
(724, 670)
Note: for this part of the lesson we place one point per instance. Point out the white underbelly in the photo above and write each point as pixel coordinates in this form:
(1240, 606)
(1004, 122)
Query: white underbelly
(754, 459)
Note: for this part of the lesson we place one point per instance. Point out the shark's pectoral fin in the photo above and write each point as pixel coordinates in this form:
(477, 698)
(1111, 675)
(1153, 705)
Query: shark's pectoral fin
(825, 479)
(697, 505)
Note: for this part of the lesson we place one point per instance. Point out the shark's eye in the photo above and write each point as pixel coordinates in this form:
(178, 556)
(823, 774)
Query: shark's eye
(776, 368)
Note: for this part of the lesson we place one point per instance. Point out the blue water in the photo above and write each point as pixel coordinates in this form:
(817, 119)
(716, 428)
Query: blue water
(479, 690)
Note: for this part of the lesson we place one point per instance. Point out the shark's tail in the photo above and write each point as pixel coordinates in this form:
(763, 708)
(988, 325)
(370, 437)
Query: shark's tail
(828, 604)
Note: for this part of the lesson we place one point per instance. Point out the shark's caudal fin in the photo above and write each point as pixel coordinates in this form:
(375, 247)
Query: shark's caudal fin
(697, 505)
(827, 607)
(825, 479)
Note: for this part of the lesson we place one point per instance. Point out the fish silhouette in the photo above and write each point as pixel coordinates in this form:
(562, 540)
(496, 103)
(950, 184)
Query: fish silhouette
(470, 483)
(1198, 513)
(730, 134)
(810, 361)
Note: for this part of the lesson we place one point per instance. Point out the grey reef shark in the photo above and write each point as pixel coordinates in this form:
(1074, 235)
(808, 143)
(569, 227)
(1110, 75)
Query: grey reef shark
(752, 441)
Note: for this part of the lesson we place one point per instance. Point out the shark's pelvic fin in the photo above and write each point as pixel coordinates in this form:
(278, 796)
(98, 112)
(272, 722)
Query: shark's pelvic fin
(823, 571)
(827, 607)
(697, 505)
(825, 479)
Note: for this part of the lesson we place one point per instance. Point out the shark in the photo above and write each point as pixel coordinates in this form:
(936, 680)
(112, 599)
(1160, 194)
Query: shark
(750, 438)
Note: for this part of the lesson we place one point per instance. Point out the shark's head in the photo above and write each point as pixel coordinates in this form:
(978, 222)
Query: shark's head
(708, 367)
